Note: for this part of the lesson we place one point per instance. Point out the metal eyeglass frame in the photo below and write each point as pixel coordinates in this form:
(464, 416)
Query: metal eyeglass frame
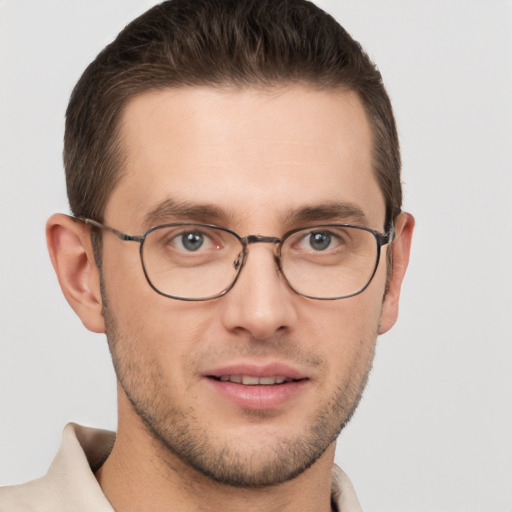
(380, 238)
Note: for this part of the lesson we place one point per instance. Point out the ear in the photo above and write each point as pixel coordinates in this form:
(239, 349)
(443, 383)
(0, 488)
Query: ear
(401, 248)
(70, 248)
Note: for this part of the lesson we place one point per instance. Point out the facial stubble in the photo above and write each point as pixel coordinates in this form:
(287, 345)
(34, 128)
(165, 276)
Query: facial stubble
(178, 433)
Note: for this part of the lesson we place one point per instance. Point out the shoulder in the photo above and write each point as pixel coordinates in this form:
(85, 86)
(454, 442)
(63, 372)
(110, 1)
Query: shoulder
(35, 495)
(70, 484)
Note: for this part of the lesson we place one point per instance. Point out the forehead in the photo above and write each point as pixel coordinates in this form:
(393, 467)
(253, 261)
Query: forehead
(248, 152)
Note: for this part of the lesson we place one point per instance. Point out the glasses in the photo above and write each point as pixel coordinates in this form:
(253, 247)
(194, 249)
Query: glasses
(195, 262)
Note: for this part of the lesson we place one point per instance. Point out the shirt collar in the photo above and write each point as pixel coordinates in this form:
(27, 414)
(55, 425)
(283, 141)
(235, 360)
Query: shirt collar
(84, 449)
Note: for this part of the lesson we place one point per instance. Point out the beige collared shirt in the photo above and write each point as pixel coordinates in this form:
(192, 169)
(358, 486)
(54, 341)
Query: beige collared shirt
(70, 484)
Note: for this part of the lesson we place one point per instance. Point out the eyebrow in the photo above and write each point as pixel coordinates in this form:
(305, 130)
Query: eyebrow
(170, 210)
(328, 212)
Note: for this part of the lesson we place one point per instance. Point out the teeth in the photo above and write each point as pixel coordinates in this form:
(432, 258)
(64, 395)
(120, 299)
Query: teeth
(249, 380)
(267, 381)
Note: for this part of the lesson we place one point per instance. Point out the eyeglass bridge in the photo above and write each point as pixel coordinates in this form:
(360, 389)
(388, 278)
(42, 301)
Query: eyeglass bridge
(255, 239)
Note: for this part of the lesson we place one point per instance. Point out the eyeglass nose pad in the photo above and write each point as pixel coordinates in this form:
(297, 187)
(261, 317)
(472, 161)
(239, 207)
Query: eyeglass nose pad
(239, 259)
(277, 259)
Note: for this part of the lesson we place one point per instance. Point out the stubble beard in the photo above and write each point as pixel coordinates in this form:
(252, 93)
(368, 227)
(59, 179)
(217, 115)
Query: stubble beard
(179, 433)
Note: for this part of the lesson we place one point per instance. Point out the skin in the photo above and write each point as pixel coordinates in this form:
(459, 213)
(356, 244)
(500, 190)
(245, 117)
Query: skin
(258, 156)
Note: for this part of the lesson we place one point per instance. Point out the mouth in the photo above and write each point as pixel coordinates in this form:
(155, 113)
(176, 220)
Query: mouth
(251, 380)
(258, 388)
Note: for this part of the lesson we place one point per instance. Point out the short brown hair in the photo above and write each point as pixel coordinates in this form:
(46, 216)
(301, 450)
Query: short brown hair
(242, 43)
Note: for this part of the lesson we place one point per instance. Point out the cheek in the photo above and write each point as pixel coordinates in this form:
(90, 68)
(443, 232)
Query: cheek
(162, 331)
(346, 321)
(345, 331)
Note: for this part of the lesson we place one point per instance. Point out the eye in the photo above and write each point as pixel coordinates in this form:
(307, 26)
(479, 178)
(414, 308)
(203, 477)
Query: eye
(319, 240)
(191, 241)
(322, 240)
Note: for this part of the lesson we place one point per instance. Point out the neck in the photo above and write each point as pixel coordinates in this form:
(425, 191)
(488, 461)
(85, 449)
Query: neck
(141, 472)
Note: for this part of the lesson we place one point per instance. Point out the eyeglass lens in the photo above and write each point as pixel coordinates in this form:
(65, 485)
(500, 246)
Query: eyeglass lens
(199, 262)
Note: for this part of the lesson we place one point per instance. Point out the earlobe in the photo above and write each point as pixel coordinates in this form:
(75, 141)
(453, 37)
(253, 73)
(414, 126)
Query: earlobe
(401, 248)
(72, 257)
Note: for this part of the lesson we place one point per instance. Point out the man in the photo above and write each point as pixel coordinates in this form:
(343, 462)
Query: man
(234, 176)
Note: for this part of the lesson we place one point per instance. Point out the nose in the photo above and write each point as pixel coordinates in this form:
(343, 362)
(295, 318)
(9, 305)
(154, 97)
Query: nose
(260, 304)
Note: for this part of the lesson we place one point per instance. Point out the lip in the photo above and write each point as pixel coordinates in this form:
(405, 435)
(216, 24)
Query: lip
(253, 370)
(258, 397)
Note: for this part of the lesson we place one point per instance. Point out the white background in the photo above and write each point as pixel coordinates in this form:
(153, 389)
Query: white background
(434, 431)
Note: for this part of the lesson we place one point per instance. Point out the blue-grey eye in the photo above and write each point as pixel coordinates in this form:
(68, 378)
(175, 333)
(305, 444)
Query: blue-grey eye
(319, 240)
(192, 241)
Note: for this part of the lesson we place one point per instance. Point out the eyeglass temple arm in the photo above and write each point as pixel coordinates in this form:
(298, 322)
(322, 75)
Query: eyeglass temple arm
(386, 238)
(122, 236)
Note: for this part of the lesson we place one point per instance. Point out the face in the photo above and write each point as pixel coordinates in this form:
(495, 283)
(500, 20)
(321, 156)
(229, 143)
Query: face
(256, 162)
